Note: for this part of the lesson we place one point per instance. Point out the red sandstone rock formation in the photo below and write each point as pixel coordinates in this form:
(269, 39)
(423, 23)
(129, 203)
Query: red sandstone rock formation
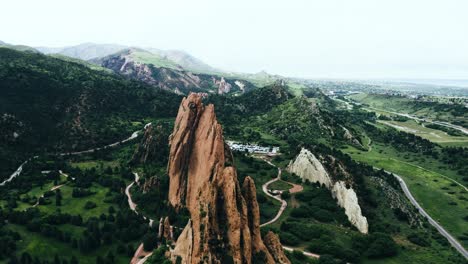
(225, 219)
(273, 244)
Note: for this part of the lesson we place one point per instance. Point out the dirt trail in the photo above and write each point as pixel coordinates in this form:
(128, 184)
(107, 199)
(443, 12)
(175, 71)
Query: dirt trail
(295, 189)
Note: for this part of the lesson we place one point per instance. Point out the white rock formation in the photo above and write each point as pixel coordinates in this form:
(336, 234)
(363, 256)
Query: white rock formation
(348, 200)
(308, 167)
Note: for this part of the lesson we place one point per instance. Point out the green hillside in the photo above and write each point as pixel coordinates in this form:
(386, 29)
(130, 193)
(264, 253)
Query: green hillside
(48, 105)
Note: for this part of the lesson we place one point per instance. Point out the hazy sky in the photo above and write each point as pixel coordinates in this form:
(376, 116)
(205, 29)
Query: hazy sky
(309, 38)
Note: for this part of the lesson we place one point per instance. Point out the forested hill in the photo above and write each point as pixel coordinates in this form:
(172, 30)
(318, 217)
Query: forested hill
(49, 104)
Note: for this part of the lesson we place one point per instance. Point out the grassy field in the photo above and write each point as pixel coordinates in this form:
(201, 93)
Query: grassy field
(435, 190)
(280, 185)
(433, 111)
(76, 206)
(95, 164)
(434, 135)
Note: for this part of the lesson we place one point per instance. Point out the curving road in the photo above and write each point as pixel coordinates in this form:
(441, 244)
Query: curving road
(441, 230)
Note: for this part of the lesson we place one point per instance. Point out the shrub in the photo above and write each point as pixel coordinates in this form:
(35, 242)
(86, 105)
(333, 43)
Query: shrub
(150, 241)
(289, 239)
(89, 205)
(381, 245)
(419, 238)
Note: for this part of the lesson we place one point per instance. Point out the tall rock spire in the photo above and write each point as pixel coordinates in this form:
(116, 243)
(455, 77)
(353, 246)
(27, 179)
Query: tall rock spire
(224, 219)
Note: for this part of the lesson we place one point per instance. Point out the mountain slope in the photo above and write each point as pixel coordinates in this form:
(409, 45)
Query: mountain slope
(84, 51)
(48, 104)
(185, 60)
(17, 47)
(162, 72)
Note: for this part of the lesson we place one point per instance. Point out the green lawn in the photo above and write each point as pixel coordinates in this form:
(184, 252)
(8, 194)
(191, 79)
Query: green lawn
(280, 185)
(434, 135)
(75, 206)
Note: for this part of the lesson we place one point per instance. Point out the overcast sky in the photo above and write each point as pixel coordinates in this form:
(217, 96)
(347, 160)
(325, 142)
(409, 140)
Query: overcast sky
(305, 38)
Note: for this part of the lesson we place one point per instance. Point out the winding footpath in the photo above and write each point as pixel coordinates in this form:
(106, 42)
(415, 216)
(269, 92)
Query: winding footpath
(20, 168)
(441, 230)
(284, 204)
(296, 188)
(140, 255)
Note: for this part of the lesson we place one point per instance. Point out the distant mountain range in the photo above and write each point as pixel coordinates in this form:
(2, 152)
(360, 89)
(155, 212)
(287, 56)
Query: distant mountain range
(89, 51)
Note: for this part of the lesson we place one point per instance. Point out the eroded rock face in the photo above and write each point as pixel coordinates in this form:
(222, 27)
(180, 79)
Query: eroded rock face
(348, 200)
(153, 146)
(250, 195)
(149, 184)
(224, 224)
(273, 244)
(308, 167)
(167, 232)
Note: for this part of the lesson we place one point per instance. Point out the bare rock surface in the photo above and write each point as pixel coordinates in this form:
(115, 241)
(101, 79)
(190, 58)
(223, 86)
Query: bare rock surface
(307, 166)
(224, 218)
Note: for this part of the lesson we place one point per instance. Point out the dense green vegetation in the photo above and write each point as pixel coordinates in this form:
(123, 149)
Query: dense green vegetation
(83, 213)
(49, 105)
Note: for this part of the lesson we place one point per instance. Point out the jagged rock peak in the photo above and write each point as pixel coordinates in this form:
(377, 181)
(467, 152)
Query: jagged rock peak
(224, 218)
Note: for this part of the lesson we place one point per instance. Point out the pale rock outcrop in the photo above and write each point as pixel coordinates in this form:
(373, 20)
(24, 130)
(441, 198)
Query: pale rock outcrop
(240, 84)
(224, 224)
(184, 245)
(223, 86)
(308, 167)
(167, 232)
(348, 200)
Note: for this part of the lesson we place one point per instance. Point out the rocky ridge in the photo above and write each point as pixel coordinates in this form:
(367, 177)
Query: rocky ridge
(310, 168)
(224, 221)
(165, 73)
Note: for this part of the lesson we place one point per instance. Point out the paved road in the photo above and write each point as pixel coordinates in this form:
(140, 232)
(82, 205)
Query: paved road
(441, 230)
